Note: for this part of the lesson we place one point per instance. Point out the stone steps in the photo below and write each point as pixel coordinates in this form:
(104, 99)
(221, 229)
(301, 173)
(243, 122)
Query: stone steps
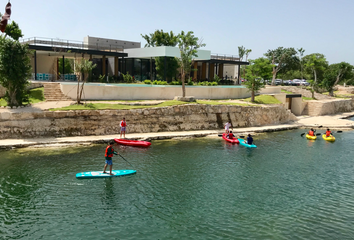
(52, 92)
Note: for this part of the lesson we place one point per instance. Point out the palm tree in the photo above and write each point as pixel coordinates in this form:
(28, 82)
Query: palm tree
(82, 68)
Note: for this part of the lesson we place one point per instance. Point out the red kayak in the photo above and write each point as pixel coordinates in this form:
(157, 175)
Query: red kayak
(134, 143)
(234, 140)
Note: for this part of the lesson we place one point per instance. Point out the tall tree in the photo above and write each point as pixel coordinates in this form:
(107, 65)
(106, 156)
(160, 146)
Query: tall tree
(258, 70)
(82, 68)
(315, 63)
(336, 73)
(161, 38)
(15, 66)
(301, 52)
(188, 45)
(241, 52)
(283, 59)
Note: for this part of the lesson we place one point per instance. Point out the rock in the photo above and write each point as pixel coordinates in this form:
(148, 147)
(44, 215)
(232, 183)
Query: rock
(185, 99)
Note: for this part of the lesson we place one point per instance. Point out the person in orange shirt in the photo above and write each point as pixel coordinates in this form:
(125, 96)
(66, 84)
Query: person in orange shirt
(328, 133)
(312, 132)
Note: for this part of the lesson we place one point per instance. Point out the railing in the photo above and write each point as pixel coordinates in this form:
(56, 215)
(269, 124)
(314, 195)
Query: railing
(224, 57)
(50, 42)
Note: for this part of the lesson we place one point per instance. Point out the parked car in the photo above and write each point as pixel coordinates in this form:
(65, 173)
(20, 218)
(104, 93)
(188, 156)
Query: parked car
(296, 82)
(287, 82)
(278, 81)
(304, 83)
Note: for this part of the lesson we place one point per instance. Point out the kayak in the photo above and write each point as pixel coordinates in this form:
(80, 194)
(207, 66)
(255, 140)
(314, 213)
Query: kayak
(134, 143)
(311, 137)
(234, 140)
(329, 139)
(100, 174)
(243, 142)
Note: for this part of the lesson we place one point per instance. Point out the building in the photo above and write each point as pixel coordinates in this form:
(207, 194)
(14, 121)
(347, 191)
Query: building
(114, 57)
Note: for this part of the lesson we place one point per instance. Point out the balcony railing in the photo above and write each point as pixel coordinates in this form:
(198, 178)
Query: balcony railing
(224, 57)
(61, 43)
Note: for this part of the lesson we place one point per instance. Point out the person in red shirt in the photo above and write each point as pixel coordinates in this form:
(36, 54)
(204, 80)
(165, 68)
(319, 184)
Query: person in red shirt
(312, 132)
(108, 155)
(123, 125)
(328, 133)
(230, 135)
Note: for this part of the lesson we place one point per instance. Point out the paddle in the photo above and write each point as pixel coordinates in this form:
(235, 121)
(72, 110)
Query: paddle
(220, 135)
(125, 159)
(317, 134)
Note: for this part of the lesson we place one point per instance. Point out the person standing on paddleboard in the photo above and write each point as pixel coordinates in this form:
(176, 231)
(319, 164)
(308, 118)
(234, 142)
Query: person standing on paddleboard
(227, 127)
(108, 155)
(123, 125)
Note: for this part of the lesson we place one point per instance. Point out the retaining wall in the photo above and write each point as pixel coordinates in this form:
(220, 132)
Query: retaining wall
(106, 122)
(327, 107)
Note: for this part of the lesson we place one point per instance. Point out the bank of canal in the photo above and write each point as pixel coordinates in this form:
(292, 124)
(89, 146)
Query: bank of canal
(287, 188)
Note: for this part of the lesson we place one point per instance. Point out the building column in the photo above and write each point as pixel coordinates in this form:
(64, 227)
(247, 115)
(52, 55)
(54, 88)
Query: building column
(238, 75)
(221, 70)
(165, 69)
(63, 78)
(203, 71)
(103, 65)
(116, 68)
(35, 65)
(195, 70)
(211, 71)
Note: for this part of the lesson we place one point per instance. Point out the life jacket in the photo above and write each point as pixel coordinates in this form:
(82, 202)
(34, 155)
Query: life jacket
(311, 133)
(106, 154)
(231, 136)
(328, 133)
(123, 124)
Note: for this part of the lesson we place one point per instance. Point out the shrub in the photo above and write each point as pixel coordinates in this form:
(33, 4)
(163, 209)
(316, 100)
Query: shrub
(147, 81)
(128, 78)
(216, 78)
(190, 83)
(101, 78)
(214, 84)
(176, 83)
(158, 82)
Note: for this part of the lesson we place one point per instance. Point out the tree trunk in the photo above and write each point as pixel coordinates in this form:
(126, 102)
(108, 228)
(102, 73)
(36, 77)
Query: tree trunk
(313, 85)
(78, 91)
(274, 76)
(183, 75)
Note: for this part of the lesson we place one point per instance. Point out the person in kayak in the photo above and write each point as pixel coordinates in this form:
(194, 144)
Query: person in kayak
(312, 132)
(230, 135)
(108, 155)
(328, 133)
(227, 127)
(249, 140)
(123, 125)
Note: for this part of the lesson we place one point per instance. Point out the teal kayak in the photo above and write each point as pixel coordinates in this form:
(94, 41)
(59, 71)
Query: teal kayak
(243, 143)
(100, 174)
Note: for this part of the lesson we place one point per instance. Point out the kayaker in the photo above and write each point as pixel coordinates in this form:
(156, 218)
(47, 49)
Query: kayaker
(230, 135)
(249, 139)
(312, 132)
(108, 155)
(123, 125)
(328, 133)
(227, 127)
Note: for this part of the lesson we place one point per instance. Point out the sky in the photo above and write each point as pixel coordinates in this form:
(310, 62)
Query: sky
(318, 26)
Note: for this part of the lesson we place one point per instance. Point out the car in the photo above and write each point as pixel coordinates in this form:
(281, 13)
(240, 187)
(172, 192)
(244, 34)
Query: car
(296, 82)
(278, 81)
(287, 82)
(304, 83)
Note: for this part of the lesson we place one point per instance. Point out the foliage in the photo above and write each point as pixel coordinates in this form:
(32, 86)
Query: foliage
(35, 96)
(128, 78)
(67, 65)
(316, 64)
(336, 73)
(157, 82)
(176, 83)
(102, 78)
(188, 45)
(217, 79)
(259, 69)
(171, 67)
(147, 81)
(206, 83)
(283, 59)
(84, 68)
(13, 30)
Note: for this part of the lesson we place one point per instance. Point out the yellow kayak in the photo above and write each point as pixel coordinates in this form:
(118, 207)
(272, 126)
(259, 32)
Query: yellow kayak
(311, 137)
(330, 138)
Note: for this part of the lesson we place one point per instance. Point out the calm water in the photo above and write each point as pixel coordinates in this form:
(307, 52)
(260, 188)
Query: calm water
(288, 188)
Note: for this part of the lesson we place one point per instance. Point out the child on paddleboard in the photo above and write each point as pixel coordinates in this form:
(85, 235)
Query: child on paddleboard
(108, 155)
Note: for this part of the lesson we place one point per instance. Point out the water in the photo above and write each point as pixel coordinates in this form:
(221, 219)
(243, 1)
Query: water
(287, 188)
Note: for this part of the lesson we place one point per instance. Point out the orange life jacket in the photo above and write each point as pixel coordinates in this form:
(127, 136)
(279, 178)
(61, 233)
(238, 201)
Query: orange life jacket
(231, 136)
(328, 133)
(311, 133)
(106, 154)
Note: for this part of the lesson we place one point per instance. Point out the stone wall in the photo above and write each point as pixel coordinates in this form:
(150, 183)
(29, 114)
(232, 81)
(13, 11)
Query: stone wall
(328, 107)
(103, 122)
(304, 92)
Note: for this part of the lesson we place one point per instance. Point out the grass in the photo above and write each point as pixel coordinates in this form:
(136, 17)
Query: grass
(264, 99)
(337, 95)
(308, 98)
(35, 96)
(213, 102)
(284, 91)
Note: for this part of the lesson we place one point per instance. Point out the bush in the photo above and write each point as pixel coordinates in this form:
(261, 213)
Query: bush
(176, 83)
(147, 81)
(216, 78)
(128, 78)
(190, 83)
(102, 78)
(158, 82)
(214, 84)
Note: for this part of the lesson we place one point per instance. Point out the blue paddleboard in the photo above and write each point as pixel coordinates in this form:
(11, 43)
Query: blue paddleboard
(242, 142)
(100, 174)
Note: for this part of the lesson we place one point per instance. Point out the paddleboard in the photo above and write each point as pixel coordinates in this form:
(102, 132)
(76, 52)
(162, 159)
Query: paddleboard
(242, 142)
(100, 174)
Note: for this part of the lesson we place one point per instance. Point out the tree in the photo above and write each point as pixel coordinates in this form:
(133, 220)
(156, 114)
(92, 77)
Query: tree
(315, 63)
(256, 72)
(161, 38)
(67, 66)
(188, 45)
(283, 59)
(241, 52)
(336, 73)
(301, 54)
(83, 67)
(15, 66)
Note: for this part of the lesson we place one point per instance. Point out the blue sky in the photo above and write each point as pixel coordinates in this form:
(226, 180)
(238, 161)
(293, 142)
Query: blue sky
(318, 26)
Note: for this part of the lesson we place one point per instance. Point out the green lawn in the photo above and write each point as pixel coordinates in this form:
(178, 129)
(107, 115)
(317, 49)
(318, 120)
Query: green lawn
(284, 91)
(35, 95)
(264, 99)
(308, 98)
(213, 102)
